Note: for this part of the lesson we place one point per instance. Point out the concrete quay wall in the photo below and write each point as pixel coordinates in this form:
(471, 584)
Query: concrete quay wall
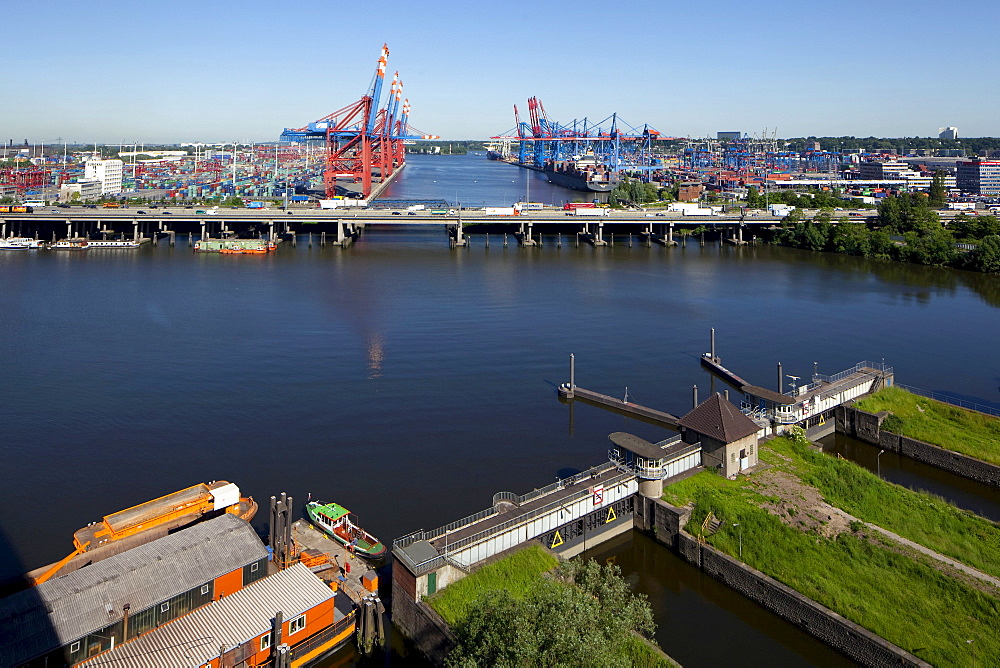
(845, 636)
(866, 427)
(417, 620)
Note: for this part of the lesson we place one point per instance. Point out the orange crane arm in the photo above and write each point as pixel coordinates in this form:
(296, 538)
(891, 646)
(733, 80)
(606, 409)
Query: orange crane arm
(57, 566)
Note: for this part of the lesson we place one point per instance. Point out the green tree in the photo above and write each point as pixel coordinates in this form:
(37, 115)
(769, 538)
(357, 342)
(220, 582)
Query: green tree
(986, 257)
(584, 616)
(937, 192)
(935, 247)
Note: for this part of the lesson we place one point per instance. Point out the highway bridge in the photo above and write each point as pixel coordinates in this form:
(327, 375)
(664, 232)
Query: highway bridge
(54, 222)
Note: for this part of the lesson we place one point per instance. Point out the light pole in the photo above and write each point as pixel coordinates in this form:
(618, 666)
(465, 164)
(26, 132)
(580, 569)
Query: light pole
(737, 524)
(878, 463)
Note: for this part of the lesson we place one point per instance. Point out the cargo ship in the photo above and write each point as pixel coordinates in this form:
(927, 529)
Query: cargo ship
(335, 521)
(581, 174)
(148, 521)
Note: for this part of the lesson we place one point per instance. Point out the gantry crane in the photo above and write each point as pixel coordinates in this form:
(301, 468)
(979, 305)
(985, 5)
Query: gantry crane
(362, 140)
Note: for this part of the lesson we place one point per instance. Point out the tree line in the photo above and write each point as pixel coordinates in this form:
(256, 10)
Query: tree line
(908, 230)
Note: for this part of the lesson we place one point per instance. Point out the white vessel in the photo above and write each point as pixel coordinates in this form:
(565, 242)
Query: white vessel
(20, 243)
(70, 244)
(112, 244)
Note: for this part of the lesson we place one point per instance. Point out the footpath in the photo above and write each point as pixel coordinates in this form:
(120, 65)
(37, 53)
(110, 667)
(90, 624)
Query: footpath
(957, 565)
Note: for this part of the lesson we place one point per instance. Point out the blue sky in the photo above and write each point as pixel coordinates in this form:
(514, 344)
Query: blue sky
(223, 70)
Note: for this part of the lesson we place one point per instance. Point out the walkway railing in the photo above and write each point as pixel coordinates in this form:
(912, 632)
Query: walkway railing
(445, 553)
(837, 377)
(502, 496)
(954, 401)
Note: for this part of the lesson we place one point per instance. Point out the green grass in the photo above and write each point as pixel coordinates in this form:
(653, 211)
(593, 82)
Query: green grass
(517, 573)
(902, 600)
(943, 425)
(919, 516)
(641, 654)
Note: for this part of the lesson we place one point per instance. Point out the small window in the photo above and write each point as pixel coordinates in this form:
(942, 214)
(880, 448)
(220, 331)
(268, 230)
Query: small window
(204, 589)
(164, 607)
(75, 647)
(297, 624)
(265, 641)
(732, 457)
(254, 566)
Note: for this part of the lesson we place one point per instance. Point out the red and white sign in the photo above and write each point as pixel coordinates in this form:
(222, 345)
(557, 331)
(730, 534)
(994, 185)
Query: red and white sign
(598, 494)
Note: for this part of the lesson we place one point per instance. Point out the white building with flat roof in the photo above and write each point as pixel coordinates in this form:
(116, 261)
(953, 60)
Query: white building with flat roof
(108, 172)
(84, 189)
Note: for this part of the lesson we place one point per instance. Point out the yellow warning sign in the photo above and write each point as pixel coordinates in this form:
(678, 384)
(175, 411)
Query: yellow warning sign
(611, 515)
(557, 540)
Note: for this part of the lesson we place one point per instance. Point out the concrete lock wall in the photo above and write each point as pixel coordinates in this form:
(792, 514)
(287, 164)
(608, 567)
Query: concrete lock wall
(418, 622)
(847, 637)
(867, 427)
(842, 634)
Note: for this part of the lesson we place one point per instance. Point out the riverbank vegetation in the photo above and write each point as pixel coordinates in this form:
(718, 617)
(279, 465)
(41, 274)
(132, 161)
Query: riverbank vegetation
(946, 426)
(528, 609)
(782, 520)
(908, 230)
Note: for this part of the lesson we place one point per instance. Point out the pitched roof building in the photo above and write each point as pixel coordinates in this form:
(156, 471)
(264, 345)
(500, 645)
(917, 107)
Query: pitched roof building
(73, 617)
(728, 437)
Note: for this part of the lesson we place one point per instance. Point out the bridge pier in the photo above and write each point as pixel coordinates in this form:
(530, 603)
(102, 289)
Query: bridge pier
(525, 236)
(597, 238)
(69, 229)
(456, 238)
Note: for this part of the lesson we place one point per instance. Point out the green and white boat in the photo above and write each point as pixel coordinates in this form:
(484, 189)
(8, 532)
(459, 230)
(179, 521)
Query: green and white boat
(335, 521)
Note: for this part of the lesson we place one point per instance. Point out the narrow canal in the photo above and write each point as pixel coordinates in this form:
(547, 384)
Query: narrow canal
(702, 622)
(962, 492)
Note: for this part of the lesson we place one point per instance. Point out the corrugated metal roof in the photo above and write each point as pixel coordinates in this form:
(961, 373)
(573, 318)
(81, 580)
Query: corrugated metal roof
(67, 608)
(195, 639)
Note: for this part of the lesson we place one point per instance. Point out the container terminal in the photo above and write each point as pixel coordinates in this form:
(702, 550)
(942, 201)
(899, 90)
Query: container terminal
(353, 153)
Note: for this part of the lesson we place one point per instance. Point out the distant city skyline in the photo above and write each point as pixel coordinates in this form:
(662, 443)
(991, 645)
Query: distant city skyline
(228, 71)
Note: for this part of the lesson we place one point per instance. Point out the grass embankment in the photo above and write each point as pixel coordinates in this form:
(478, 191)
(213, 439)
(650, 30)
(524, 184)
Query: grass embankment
(943, 425)
(919, 516)
(518, 573)
(856, 573)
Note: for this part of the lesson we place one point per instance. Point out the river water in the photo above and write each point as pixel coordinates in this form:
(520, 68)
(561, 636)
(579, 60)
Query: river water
(408, 381)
